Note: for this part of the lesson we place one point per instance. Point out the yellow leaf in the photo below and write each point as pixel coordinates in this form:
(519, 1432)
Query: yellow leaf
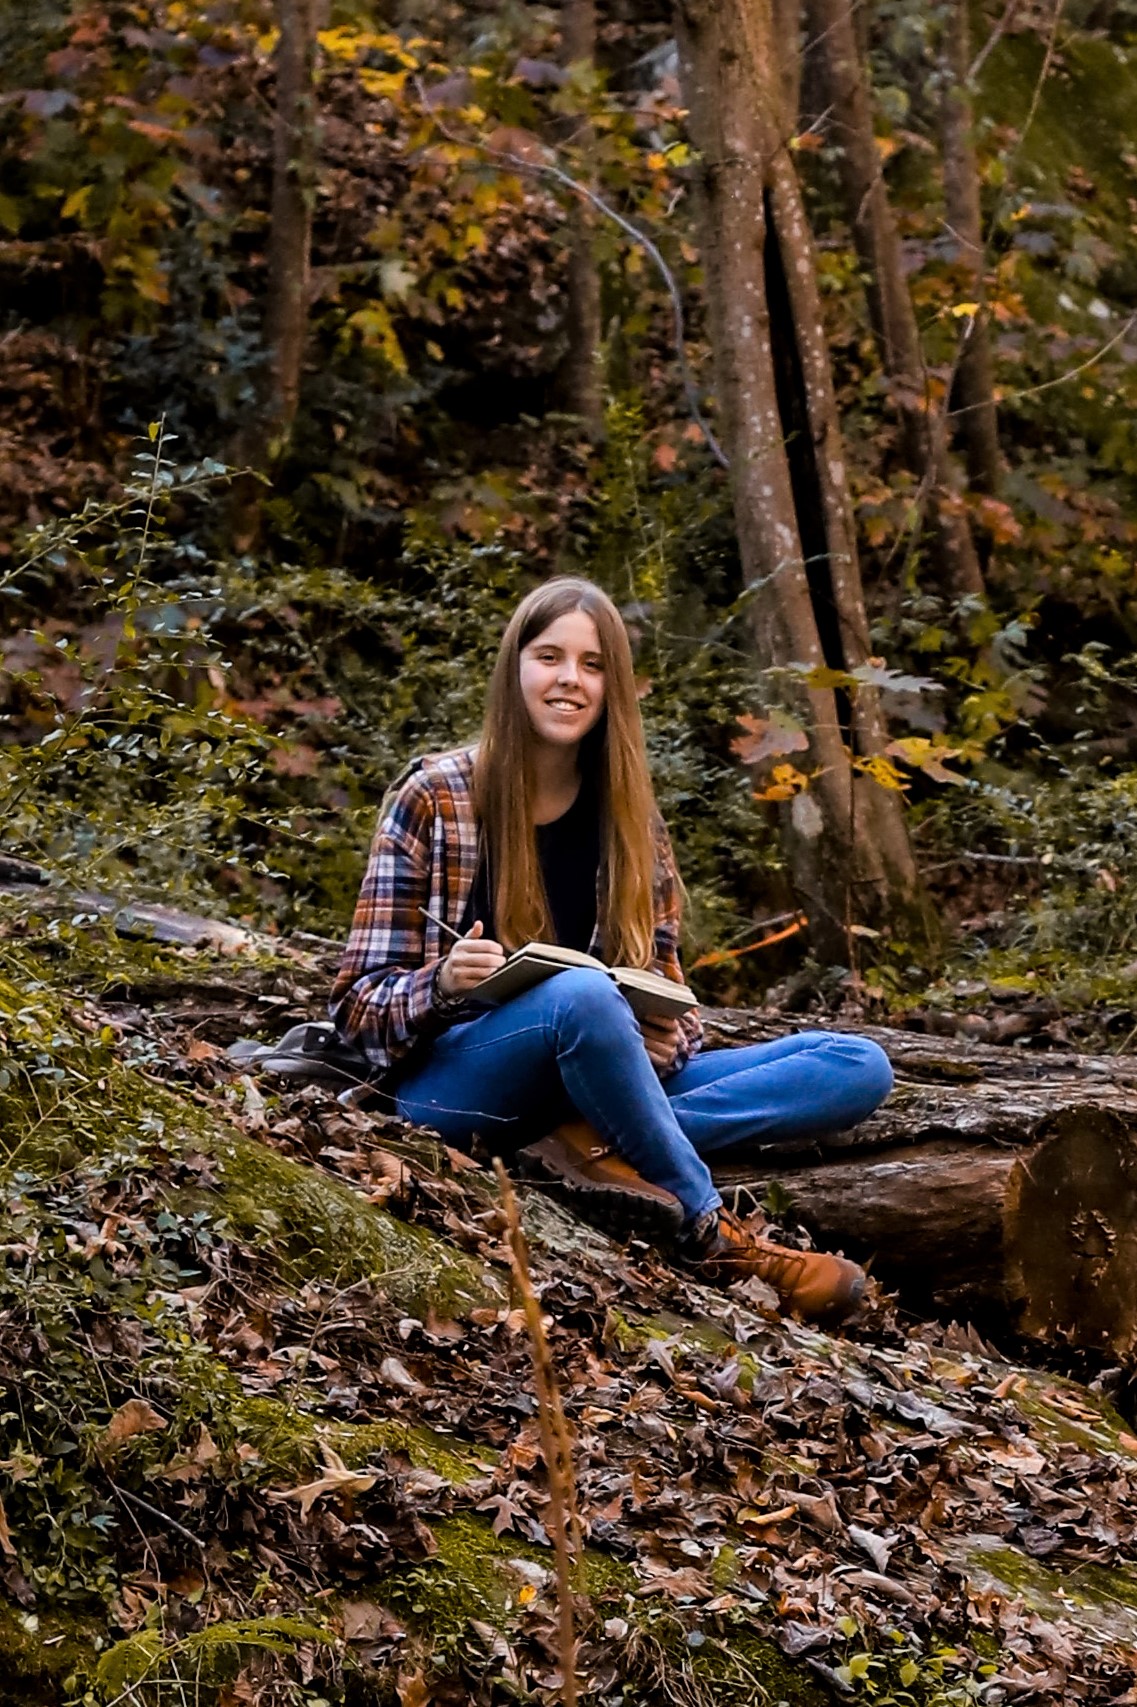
(527, 1595)
(385, 83)
(153, 430)
(964, 310)
(786, 781)
(75, 207)
(882, 771)
(657, 162)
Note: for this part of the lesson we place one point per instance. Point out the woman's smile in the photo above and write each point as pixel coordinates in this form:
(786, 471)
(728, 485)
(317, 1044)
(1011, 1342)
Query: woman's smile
(562, 679)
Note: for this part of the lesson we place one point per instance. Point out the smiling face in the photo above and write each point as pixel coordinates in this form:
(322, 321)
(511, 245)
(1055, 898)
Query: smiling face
(562, 680)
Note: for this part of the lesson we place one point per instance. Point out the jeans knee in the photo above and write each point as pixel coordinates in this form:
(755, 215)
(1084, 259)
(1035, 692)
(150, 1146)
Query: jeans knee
(874, 1075)
(586, 999)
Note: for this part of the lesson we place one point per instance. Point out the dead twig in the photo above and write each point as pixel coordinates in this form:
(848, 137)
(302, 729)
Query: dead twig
(555, 1445)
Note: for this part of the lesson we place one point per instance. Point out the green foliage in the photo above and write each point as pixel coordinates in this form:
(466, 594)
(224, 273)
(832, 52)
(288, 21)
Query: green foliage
(119, 767)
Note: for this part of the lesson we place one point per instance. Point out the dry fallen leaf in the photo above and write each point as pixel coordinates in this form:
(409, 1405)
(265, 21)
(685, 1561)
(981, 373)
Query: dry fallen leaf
(396, 1374)
(367, 1621)
(137, 1416)
(412, 1690)
(5, 1534)
(337, 1478)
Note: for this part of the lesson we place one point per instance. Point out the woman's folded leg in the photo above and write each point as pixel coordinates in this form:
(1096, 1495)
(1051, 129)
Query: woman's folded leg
(570, 1043)
(769, 1093)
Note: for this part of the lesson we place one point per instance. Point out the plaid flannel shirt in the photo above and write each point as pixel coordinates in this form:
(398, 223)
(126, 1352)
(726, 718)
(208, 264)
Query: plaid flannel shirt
(386, 997)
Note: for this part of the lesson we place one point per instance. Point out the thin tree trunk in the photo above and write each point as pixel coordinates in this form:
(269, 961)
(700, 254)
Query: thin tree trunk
(265, 432)
(877, 240)
(290, 233)
(974, 392)
(848, 844)
(582, 374)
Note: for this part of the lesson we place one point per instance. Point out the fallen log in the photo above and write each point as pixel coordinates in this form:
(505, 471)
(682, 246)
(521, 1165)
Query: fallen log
(1044, 1233)
(951, 1090)
(993, 1180)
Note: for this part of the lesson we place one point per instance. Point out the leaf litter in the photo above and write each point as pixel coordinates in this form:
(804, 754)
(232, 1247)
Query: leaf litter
(898, 1488)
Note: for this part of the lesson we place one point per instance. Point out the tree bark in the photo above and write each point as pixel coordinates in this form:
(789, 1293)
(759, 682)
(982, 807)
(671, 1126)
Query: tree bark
(923, 443)
(285, 326)
(290, 232)
(974, 392)
(787, 34)
(266, 430)
(582, 374)
(847, 838)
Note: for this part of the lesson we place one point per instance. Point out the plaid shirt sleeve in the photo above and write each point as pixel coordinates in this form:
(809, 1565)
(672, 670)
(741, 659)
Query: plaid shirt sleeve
(386, 996)
(668, 909)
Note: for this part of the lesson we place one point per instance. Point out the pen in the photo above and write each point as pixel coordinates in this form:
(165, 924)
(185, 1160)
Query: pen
(442, 925)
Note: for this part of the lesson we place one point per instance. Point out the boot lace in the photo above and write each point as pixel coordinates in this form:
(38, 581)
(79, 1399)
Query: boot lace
(782, 1268)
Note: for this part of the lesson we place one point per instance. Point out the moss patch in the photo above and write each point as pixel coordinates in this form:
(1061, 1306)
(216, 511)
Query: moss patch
(1102, 1603)
(288, 1440)
(43, 1655)
(317, 1227)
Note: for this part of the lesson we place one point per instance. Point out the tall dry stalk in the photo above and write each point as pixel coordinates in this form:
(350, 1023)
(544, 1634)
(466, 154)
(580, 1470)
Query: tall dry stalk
(555, 1445)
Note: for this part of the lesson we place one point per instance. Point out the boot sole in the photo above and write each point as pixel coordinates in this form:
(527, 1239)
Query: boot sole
(620, 1210)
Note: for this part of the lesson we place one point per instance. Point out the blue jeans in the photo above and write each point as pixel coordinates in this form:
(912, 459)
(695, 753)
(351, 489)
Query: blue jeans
(570, 1047)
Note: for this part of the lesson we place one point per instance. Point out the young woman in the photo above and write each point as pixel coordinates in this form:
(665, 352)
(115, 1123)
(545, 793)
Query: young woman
(548, 831)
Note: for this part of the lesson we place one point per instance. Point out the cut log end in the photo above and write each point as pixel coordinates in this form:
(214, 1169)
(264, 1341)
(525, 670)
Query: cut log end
(1070, 1233)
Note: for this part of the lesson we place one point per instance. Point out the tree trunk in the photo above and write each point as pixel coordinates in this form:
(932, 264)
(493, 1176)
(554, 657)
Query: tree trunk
(266, 431)
(293, 196)
(582, 373)
(787, 34)
(973, 397)
(923, 442)
(848, 842)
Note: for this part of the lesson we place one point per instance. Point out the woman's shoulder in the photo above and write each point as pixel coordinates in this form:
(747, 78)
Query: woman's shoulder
(431, 778)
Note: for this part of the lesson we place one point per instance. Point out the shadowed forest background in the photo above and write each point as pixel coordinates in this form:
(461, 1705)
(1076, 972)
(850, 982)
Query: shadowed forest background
(809, 332)
(474, 382)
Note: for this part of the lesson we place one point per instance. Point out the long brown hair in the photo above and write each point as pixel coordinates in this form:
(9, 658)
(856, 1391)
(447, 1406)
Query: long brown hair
(613, 751)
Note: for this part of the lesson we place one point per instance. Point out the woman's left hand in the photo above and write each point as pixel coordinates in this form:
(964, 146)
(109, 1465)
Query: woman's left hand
(661, 1040)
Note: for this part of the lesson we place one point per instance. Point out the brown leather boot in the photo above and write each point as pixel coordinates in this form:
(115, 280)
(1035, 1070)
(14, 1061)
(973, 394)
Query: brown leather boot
(576, 1156)
(812, 1284)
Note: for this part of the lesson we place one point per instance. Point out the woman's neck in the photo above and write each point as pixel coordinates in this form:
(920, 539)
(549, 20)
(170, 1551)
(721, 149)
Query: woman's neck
(556, 779)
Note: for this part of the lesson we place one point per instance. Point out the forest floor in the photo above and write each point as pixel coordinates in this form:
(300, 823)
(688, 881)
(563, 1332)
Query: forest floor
(271, 1433)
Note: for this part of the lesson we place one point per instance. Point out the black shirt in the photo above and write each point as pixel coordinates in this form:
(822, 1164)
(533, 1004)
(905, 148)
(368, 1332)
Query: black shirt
(568, 850)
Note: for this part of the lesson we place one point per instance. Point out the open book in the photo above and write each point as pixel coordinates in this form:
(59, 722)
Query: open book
(649, 995)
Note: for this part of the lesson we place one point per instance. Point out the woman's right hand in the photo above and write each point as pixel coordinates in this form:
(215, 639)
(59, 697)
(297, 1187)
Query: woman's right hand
(472, 958)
